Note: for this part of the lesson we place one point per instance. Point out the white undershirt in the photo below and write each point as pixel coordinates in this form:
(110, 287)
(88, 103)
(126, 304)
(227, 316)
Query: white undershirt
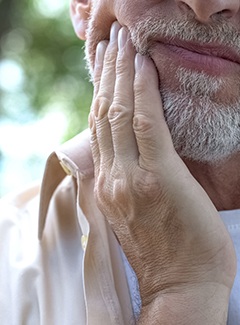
(231, 220)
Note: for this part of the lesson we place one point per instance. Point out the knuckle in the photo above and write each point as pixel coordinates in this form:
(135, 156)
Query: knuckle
(110, 192)
(101, 105)
(142, 124)
(116, 110)
(147, 185)
(92, 125)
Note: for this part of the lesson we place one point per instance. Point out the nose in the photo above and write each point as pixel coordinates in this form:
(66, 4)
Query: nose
(205, 10)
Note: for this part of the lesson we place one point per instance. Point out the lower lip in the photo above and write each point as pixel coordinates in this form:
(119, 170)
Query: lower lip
(201, 62)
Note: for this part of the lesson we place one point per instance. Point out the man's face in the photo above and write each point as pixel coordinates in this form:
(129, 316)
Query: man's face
(198, 64)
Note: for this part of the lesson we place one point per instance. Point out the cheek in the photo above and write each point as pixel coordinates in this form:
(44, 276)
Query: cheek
(129, 12)
(101, 18)
(99, 25)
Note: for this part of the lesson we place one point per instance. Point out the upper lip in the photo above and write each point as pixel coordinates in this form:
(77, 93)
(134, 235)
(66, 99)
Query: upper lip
(211, 49)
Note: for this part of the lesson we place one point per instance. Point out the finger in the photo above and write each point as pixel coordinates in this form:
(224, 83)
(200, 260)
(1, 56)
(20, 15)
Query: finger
(151, 131)
(121, 111)
(106, 75)
(98, 66)
(94, 144)
(104, 99)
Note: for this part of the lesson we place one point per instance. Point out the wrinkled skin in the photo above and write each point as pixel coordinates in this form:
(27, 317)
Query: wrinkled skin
(167, 225)
(163, 209)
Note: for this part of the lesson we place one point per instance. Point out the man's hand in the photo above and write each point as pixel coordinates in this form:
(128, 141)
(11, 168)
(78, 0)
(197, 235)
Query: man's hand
(169, 229)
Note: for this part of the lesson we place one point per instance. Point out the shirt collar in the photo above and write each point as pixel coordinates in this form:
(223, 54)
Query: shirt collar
(72, 158)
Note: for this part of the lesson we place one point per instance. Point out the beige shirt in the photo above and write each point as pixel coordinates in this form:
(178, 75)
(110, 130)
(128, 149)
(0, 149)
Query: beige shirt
(63, 265)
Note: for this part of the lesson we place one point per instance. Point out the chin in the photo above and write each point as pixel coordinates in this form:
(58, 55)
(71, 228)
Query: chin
(202, 130)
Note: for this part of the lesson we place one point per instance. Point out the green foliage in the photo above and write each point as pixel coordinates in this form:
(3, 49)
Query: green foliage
(51, 61)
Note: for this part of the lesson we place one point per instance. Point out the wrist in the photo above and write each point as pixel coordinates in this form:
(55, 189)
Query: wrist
(198, 304)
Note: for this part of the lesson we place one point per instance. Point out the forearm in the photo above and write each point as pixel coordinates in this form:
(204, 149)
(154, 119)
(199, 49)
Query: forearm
(198, 306)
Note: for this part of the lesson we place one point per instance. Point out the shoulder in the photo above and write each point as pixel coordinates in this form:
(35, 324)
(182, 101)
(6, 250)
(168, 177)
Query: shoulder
(17, 205)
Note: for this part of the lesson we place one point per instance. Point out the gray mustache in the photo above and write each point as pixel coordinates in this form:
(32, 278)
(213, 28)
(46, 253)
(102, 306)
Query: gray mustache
(220, 32)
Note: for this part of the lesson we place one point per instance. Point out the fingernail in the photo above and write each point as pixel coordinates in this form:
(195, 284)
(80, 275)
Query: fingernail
(122, 37)
(114, 31)
(100, 51)
(138, 61)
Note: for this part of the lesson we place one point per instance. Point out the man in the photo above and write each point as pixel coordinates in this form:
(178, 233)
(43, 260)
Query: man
(174, 65)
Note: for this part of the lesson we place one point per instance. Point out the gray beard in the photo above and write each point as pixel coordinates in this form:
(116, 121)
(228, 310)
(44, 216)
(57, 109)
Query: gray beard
(202, 130)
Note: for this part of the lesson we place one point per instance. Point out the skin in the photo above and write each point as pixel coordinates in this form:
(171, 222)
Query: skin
(163, 209)
(221, 182)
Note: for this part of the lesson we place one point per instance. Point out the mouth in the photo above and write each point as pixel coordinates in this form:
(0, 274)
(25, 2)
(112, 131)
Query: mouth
(213, 58)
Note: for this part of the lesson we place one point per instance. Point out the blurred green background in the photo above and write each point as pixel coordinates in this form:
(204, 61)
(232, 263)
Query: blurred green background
(45, 94)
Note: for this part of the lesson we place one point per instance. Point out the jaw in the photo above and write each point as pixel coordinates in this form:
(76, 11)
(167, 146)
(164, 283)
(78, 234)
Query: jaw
(220, 181)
